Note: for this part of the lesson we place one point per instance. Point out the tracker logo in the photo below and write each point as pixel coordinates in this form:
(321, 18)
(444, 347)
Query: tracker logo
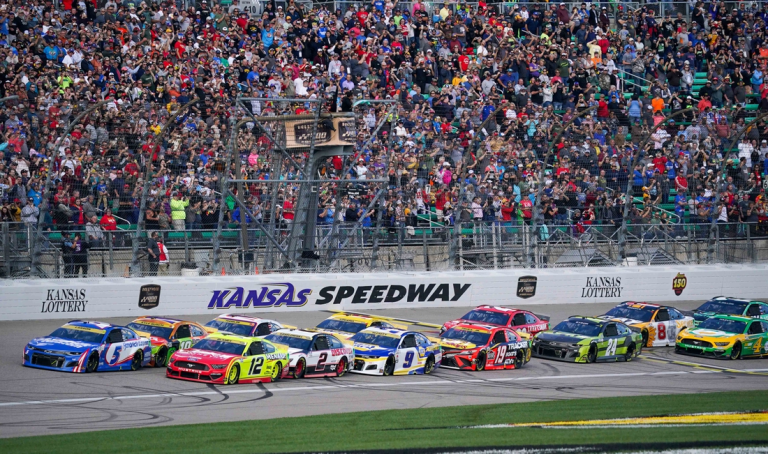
(269, 295)
(364, 294)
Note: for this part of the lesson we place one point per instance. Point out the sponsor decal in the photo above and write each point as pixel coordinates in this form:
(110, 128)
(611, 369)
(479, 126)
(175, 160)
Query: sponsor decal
(64, 300)
(149, 296)
(602, 287)
(526, 286)
(268, 295)
(679, 283)
(369, 294)
(276, 356)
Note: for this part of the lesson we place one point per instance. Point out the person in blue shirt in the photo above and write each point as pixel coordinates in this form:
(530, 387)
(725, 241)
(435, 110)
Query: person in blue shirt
(268, 36)
(51, 52)
(379, 5)
(637, 181)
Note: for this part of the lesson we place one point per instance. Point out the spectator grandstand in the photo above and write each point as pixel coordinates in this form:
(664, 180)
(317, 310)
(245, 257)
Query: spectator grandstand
(578, 118)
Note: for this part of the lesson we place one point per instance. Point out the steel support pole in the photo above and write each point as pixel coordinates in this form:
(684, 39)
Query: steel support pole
(224, 186)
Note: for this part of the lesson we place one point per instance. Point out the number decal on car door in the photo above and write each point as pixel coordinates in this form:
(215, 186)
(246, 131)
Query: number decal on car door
(611, 349)
(256, 366)
(185, 344)
(321, 362)
(501, 353)
(408, 359)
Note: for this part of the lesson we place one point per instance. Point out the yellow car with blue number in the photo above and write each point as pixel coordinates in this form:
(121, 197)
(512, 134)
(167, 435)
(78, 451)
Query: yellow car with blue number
(659, 325)
(394, 352)
(724, 336)
(347, 324)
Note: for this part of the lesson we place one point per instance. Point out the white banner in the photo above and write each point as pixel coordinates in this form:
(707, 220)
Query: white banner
(170, 296)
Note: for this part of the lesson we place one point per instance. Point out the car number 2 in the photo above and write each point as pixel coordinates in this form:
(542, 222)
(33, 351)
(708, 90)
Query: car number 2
(256, 366)
(611, 349)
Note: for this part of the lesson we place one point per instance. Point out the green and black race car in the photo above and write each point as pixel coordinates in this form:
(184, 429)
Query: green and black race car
(588, 340)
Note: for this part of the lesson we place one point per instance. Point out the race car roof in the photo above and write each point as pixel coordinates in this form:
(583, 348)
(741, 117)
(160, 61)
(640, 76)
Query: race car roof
(243, 318)
(387, 332)
(641, 304)
(595, 320)
(506, 310)
(730, 298)
(92, 324)
(163, 320)
(738, 318)
(230, 336)
(296, 333)
(476, 327)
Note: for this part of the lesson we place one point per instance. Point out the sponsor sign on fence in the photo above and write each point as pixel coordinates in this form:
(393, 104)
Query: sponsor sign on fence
(101, 298)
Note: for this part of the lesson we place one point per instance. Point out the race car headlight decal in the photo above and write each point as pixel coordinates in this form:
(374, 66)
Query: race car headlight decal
(722, 344)
(218, 366)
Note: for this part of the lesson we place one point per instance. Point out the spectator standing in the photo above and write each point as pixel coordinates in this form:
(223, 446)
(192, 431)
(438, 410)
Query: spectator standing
(153, 249)
(67, 249)
(30, 213)
(178, 211)
(93, 232)
(79, 256)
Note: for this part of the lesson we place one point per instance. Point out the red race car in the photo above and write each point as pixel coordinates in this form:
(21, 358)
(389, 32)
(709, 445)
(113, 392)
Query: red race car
(517, 319)
(469, 346)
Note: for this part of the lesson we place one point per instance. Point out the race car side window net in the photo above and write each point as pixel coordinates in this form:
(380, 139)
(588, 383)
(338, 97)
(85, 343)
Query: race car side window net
(611, 331)
(499, 338)
(409, 341)
(519, 319)
(662, 316)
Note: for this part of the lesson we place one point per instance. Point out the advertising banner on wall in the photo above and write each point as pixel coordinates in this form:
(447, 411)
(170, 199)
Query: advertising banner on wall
(173, 296)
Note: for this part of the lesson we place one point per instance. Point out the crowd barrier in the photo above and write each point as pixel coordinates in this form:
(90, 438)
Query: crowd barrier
(175, 296)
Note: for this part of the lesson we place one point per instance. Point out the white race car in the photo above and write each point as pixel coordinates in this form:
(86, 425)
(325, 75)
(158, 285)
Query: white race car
(314, 354)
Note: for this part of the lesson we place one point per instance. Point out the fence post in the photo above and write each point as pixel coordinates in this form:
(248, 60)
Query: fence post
(426, 249)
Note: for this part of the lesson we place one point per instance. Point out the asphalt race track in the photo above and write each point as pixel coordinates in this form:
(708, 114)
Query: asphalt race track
(36, 402)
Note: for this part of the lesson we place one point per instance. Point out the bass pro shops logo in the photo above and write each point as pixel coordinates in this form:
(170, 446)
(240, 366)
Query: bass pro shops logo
(679, 283)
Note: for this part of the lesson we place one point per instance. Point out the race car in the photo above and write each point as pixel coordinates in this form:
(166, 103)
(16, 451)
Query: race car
(588, 340)
(394, 352)
(724, 305)
(469, 346)
(517, 319)
(84, 346)
(167, 335)
(314, 354)
(659, 325)
(347, 324)
(244, 325)
(228, 359)
(725, 336)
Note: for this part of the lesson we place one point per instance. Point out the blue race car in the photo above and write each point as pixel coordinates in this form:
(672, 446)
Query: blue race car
(81, 346)
(394, 352)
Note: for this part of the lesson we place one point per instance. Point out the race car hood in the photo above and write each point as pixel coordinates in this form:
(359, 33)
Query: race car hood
(293, 351)
(372, 350)
(701, 316)
(61, 345)
(560, 336)
(343, 334)
(626, 321)
(456, 344)
(204, 356)
(699, 333)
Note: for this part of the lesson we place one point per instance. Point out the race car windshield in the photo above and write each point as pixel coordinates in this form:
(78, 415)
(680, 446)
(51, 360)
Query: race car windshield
(719, 324)
(234, 328)
(724, 307)
(215, 345)
(290, 341)
(78, 335)
(494, 318)
(470, 336)
(376, 339)
(634, 313)
(342, 325)
(579, 327)
(157, 331)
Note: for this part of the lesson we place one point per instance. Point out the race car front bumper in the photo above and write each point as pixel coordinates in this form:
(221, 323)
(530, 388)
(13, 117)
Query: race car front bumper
(695, 350)
(559, 351)
(201, 373)
(459, 359)
(369, 365)
(50, 360)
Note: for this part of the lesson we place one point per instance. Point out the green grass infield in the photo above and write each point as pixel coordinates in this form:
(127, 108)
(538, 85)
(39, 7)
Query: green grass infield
(424, 428)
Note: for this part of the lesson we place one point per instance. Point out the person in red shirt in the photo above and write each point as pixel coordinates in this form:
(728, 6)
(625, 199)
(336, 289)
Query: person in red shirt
(440, 200)
(507, 210)
(288, 211)
(108, 222)
(526, 206)
(681, 184)
(660, 162)
(602, 108)
(362, 16)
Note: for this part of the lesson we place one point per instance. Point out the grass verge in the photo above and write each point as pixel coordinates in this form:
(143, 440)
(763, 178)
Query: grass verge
(421, 428)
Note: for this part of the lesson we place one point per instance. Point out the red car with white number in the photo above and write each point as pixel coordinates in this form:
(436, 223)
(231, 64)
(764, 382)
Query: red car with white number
(470, 346)
(314, 354)
(516, 319)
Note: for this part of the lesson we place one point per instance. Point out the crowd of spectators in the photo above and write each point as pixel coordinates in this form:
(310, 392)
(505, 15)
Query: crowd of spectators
(481, 92)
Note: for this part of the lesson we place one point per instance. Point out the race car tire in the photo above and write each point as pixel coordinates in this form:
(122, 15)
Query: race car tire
(341, 368)
(630, 353)
(429, 365)
(592, 354)
(300, 369)
(138, 358)
(161, 357)
(277, 373)
(234, 375)
(480, 361)
(736, 351)
(528, 353)
(645, 338)
(389, 366)
(519, 359)
(93, 363)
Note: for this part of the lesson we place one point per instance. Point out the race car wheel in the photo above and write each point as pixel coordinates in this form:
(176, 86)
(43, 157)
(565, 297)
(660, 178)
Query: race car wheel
(136, 361)
(234, 375)
(341, 368)
(645, 338)
(389, 366)
(630, 353)
(736, 351)
(528, 355)
(277, 372)
(301, 367)
(480, 361)
(429, 366)
(93, 363)
(592, 354)
(161, 357)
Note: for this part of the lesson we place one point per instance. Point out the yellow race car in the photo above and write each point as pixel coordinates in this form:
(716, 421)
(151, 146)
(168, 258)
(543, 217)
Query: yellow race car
(659, 325)
(725, 336)
(347, 324)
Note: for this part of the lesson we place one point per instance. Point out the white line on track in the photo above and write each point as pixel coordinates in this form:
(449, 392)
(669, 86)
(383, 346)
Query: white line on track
(355, 386)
